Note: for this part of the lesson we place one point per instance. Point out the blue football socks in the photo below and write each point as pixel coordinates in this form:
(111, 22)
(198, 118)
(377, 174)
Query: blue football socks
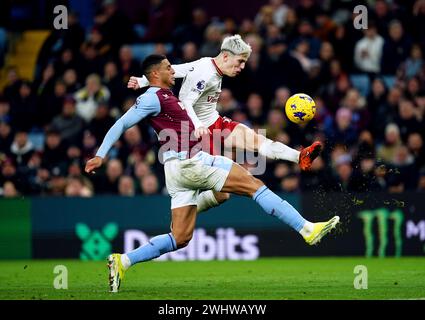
(275, 206)
(153, 249)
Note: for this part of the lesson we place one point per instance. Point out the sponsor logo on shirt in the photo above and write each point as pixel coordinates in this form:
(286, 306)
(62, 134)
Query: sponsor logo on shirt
(200, 85)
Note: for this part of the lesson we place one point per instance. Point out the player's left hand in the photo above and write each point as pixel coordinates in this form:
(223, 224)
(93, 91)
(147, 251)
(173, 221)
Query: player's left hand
(201, 131)
(92, 164)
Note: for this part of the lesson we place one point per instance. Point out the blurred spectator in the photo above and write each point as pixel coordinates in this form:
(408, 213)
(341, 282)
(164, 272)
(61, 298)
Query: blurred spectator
(301, 53)
(9, 190)
(141, 169)
(194, 32)
(421, 181)
(126, 186)
(134, 148)
(114, 25)
(127, 65)
(290, 183)
(4, 111)
(23, 108)
(342, 131)
(77, 187)
(254, 106)
(413, 64)
(307, 9)
(90, 96)
(67, 61)
(11, 89)
(189, 52)
(68, 123)
(345, 178)
(263, 19)
(71, 81)
(306, 34)
(9, 173)
(149, 185)
(51, 105)
(280, 10)
(368, 51)
(407, 118)
(6, 138)
(160, 22)
(357, 105)
(212, 43)
(89, 147)
(108, 183)
(416, 147)
(227, 103)
(396, 48)
(315, 178)
(405, 164)
(387, 150)
(115, 84)
(97, 41)
(57, 183)
(101, 122)
(21, 149)
(275, 123)
(54, 153)
(89, 63)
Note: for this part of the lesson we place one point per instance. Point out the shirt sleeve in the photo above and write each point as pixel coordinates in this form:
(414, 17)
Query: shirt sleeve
(181, 71)
(146, 105)
(197, 82)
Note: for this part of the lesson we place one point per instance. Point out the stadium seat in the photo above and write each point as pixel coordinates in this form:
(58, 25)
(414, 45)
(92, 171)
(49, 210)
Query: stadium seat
(361, 82)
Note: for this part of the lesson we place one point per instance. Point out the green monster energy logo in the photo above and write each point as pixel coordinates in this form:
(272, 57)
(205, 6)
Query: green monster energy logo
(96, 245)
(382, 216)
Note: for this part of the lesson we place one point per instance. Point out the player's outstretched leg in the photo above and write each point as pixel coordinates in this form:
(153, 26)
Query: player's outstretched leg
(119, 263)
(243, 137)
(279, 151)
(183, 224)
(240, 181)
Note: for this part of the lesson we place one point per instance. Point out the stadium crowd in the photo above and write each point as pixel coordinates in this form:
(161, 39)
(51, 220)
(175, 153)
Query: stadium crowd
(369, 87)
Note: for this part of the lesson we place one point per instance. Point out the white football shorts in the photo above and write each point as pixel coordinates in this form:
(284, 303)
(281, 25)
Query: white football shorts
(185, 179)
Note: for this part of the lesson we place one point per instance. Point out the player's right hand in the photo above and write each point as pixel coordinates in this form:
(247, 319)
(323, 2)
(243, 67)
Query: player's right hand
(92, 164)
(133, 84)
(201, 131)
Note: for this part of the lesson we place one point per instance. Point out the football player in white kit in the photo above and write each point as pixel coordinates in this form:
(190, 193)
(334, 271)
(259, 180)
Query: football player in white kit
(200, 92)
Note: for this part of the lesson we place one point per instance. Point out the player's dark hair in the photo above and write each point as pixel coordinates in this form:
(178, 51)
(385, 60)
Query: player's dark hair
(150, 62)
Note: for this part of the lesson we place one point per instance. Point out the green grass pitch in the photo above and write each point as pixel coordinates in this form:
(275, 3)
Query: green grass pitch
(264, 279)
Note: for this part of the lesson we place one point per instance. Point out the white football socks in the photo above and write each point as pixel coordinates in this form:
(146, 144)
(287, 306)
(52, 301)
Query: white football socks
(125, 261)
(278, 151)
(307, 229)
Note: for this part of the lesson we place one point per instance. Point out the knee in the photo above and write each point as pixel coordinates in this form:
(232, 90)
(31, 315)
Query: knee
(182, 238)
(221, 197)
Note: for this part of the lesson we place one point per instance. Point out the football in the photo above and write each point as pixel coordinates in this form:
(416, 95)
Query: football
(300, 108)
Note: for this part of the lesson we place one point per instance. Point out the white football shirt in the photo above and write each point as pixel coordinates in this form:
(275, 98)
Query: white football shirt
(200, 90)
